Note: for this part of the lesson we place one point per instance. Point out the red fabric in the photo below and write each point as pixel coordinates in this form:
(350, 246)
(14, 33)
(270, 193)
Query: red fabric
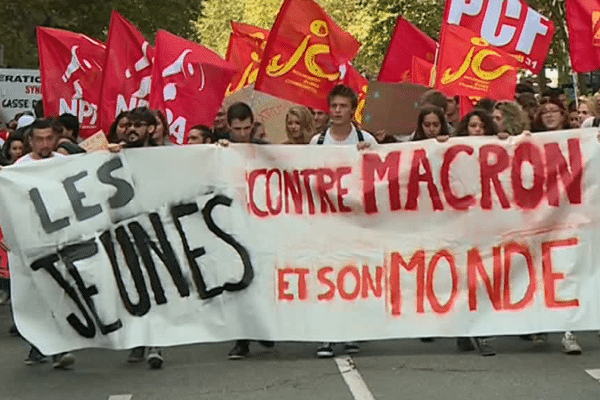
(3, 260)
(127, 71)
(421, 71)
(583, 21)
(407, 42)
(360, 84)
(458, 72)
(188, 83)
(520, 30)
(303, 55)
(467, 104)
(71, 69)
(246, 47)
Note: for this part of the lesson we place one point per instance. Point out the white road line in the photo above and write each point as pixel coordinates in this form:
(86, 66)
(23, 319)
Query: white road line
(355, 382)
(594, 373)
(121, 397)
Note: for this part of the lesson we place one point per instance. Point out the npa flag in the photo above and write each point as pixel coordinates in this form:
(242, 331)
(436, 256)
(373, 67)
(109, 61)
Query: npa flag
(127, 71)
(469, 66)
(188, 83)
(246, 46)
(71, 70)
(512, 26)
(583, 21)
(305, 55)
(407, 42)
(421, 71)
(360, 85)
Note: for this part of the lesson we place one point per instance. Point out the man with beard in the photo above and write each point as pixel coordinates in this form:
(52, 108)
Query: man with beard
(43, 139)
(141, 126)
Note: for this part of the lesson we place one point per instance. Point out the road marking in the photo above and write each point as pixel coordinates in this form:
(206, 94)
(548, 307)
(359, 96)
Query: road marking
(355, 382)
(594, 373)
(121, 397)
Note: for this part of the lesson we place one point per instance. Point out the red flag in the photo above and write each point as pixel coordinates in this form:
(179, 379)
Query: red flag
(360, 84)
(407, 42)
(304, 53)
(512, 26)
(71, 69)
(583, 21)
(3, 260)
(127, 72)
(421, 71)
(188, 83)
(246, 46)
(468, 65)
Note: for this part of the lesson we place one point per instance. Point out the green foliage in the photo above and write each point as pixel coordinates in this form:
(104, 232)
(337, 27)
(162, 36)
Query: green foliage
(89, 17)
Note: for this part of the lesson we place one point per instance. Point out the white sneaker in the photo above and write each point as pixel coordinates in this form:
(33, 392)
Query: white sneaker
(570, 345)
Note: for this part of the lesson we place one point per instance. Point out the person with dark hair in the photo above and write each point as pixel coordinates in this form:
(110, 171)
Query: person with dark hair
(342, 131)
(38, 108)
(529, 104)
(200, 134)
(321, 119)
(220, 128)
(524, 88)
(42, 140)
(486, 104)
(431, 123)
(552, 116)
(116, 134)
(434, 97)
(161, 133)
(240, 120)
(241, 124)
(13, 148)
(574, 121)
(142, 126)
(453, 111)
(66, 146)
(70, 124)
(258, 131)
(477, 123)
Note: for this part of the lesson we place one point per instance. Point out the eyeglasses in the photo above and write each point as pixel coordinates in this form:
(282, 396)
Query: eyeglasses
(136, 124)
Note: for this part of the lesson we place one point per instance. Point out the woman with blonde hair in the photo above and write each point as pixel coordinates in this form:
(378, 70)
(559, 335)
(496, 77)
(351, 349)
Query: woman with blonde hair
(587, 109)
(299, 125)
(510, 118)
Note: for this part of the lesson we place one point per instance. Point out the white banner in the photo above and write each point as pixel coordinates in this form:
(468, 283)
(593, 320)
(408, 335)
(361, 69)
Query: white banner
(166, 246)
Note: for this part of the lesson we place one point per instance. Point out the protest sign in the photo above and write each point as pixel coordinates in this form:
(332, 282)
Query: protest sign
(95, 142)
(20, 90)
(471, 237)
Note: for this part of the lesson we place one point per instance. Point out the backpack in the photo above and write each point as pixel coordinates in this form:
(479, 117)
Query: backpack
(361, 137)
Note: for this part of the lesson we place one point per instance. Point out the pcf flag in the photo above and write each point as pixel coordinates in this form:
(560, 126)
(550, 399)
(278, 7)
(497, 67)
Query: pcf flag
(421, 71)
(511, 25)
(304, 53)
(246, 46)
(468, 66)
(71, 70)
(407, 42)
(127, 71)
(583, 21)
(188, 83)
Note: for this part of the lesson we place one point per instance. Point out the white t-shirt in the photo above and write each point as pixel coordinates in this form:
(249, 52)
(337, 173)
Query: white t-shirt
(351, 139)
(27, 158)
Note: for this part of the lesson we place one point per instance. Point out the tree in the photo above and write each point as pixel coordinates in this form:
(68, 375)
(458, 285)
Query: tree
(89, 17)
(355, 16)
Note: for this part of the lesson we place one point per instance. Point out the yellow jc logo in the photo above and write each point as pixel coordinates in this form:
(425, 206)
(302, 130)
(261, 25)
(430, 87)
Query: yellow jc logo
(474, 60)
(251, 71)
(318, 28)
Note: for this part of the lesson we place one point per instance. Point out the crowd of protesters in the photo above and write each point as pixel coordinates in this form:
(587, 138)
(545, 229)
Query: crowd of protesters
(32, 138)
